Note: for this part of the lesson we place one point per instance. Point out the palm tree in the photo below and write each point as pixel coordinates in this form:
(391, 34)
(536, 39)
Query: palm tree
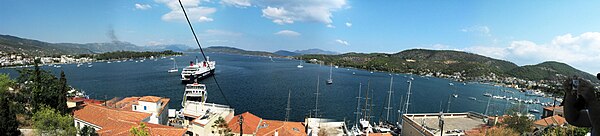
(221, 125)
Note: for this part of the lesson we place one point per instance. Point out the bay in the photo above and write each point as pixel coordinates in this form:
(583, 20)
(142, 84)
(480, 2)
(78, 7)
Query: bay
(260, 85)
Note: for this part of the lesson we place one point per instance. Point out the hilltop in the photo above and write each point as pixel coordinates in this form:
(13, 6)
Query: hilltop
(423, 61)
(13, 44)
(232, 50)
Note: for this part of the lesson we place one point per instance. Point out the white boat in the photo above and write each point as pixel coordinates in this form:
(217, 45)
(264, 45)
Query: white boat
(89, 66)
(300, 65)
(534, 111)
(472, 98)
(487, 95)
(108, 62)
(455, 95)
(330, 80)
(79, 65)
(197, 71)
(194, 93)
(174, 69)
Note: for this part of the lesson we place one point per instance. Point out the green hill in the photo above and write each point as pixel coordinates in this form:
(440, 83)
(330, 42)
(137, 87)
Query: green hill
(231, 50)
(549, 70)
(447, 62)
(34, 47)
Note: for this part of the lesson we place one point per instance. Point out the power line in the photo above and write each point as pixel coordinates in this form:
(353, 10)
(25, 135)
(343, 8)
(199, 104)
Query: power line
(202, 51)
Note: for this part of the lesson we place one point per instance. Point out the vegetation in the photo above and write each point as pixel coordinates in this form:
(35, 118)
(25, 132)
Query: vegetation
(139, 130)
(231, 50)
(87, 131)
(423, 61)
(8, 119)
(133, 54)
(567, 130)
(517, 120)
(49, 121)
(33, 47)
(499, 131)
(222, 127)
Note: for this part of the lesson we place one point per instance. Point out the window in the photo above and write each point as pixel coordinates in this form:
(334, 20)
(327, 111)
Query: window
(78, 125)
(134, 107)
(144, 107)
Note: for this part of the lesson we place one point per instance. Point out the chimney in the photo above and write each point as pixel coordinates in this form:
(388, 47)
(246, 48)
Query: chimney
(276, 133)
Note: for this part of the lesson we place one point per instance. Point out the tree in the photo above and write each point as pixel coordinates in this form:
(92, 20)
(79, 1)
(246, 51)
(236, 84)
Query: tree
(8, 119)
(222, 126)
(140, 130)
(567, 130)
(48, 121)
(62, 94)
(517, 120)
(87, 131)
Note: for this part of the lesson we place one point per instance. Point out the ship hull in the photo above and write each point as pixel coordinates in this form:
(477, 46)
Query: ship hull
(198, 76)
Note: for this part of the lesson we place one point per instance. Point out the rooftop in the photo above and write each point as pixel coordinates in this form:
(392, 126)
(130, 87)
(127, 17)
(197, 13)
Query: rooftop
(556, 120)
(150, 99)
(269, 127)
(113, 121)
(249, 125)
(452, 121)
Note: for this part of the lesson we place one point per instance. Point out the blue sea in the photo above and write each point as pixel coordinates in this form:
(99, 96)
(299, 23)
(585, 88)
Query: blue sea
(260, 85)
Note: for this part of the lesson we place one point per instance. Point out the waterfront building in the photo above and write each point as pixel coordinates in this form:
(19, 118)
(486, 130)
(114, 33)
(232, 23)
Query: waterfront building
(552, 110)
(554, 120)
(320, 126)
(156, 106)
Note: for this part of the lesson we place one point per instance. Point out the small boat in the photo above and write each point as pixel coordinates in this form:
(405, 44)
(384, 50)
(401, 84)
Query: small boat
(330, 80)
(487, 95)
(534, 111)
(89, 66)
(455, 95)
(89, 63)
(79, 65)
(108, 62)
(353, 73)
(451, 84)
(472, 98)
(337, 66)
(300, 65)
(174, 69)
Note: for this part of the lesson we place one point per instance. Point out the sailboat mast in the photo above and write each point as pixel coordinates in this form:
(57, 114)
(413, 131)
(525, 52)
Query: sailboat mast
(317, 99)
(408, 97)
(389, 99)
(358, 105)
(367, 99)
(330, 71)
(287, 110)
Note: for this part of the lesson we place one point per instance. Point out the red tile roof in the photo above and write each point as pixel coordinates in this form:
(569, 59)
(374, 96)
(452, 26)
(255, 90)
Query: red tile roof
(268, 128)
(552, 108)
(250, 124)
(119, 122)
(150, 98)
(558, 120)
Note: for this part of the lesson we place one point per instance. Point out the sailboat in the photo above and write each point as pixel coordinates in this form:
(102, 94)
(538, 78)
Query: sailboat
(174, 69)
(330, 80)
(300, 65)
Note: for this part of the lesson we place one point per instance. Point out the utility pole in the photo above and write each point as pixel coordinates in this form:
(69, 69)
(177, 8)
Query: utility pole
(241, 121)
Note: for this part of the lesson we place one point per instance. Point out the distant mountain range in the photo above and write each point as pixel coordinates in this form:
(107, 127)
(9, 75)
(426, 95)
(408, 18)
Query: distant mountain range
(448, 62)
(34, 47)
(302, 52)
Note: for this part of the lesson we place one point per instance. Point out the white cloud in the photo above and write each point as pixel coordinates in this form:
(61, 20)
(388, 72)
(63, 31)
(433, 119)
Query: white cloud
(342, 42)
(195, 12)
(581, 51)
(142, 6)
(348, 24)
(478, 29)
(330, 26)
(290, 11)
(288, 33)
(237, 3)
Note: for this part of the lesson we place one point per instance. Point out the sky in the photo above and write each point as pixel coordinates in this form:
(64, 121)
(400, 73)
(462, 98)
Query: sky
(523, 32)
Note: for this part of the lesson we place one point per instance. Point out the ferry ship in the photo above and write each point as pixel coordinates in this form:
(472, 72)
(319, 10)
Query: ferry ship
(197, 115)
(197, 71)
